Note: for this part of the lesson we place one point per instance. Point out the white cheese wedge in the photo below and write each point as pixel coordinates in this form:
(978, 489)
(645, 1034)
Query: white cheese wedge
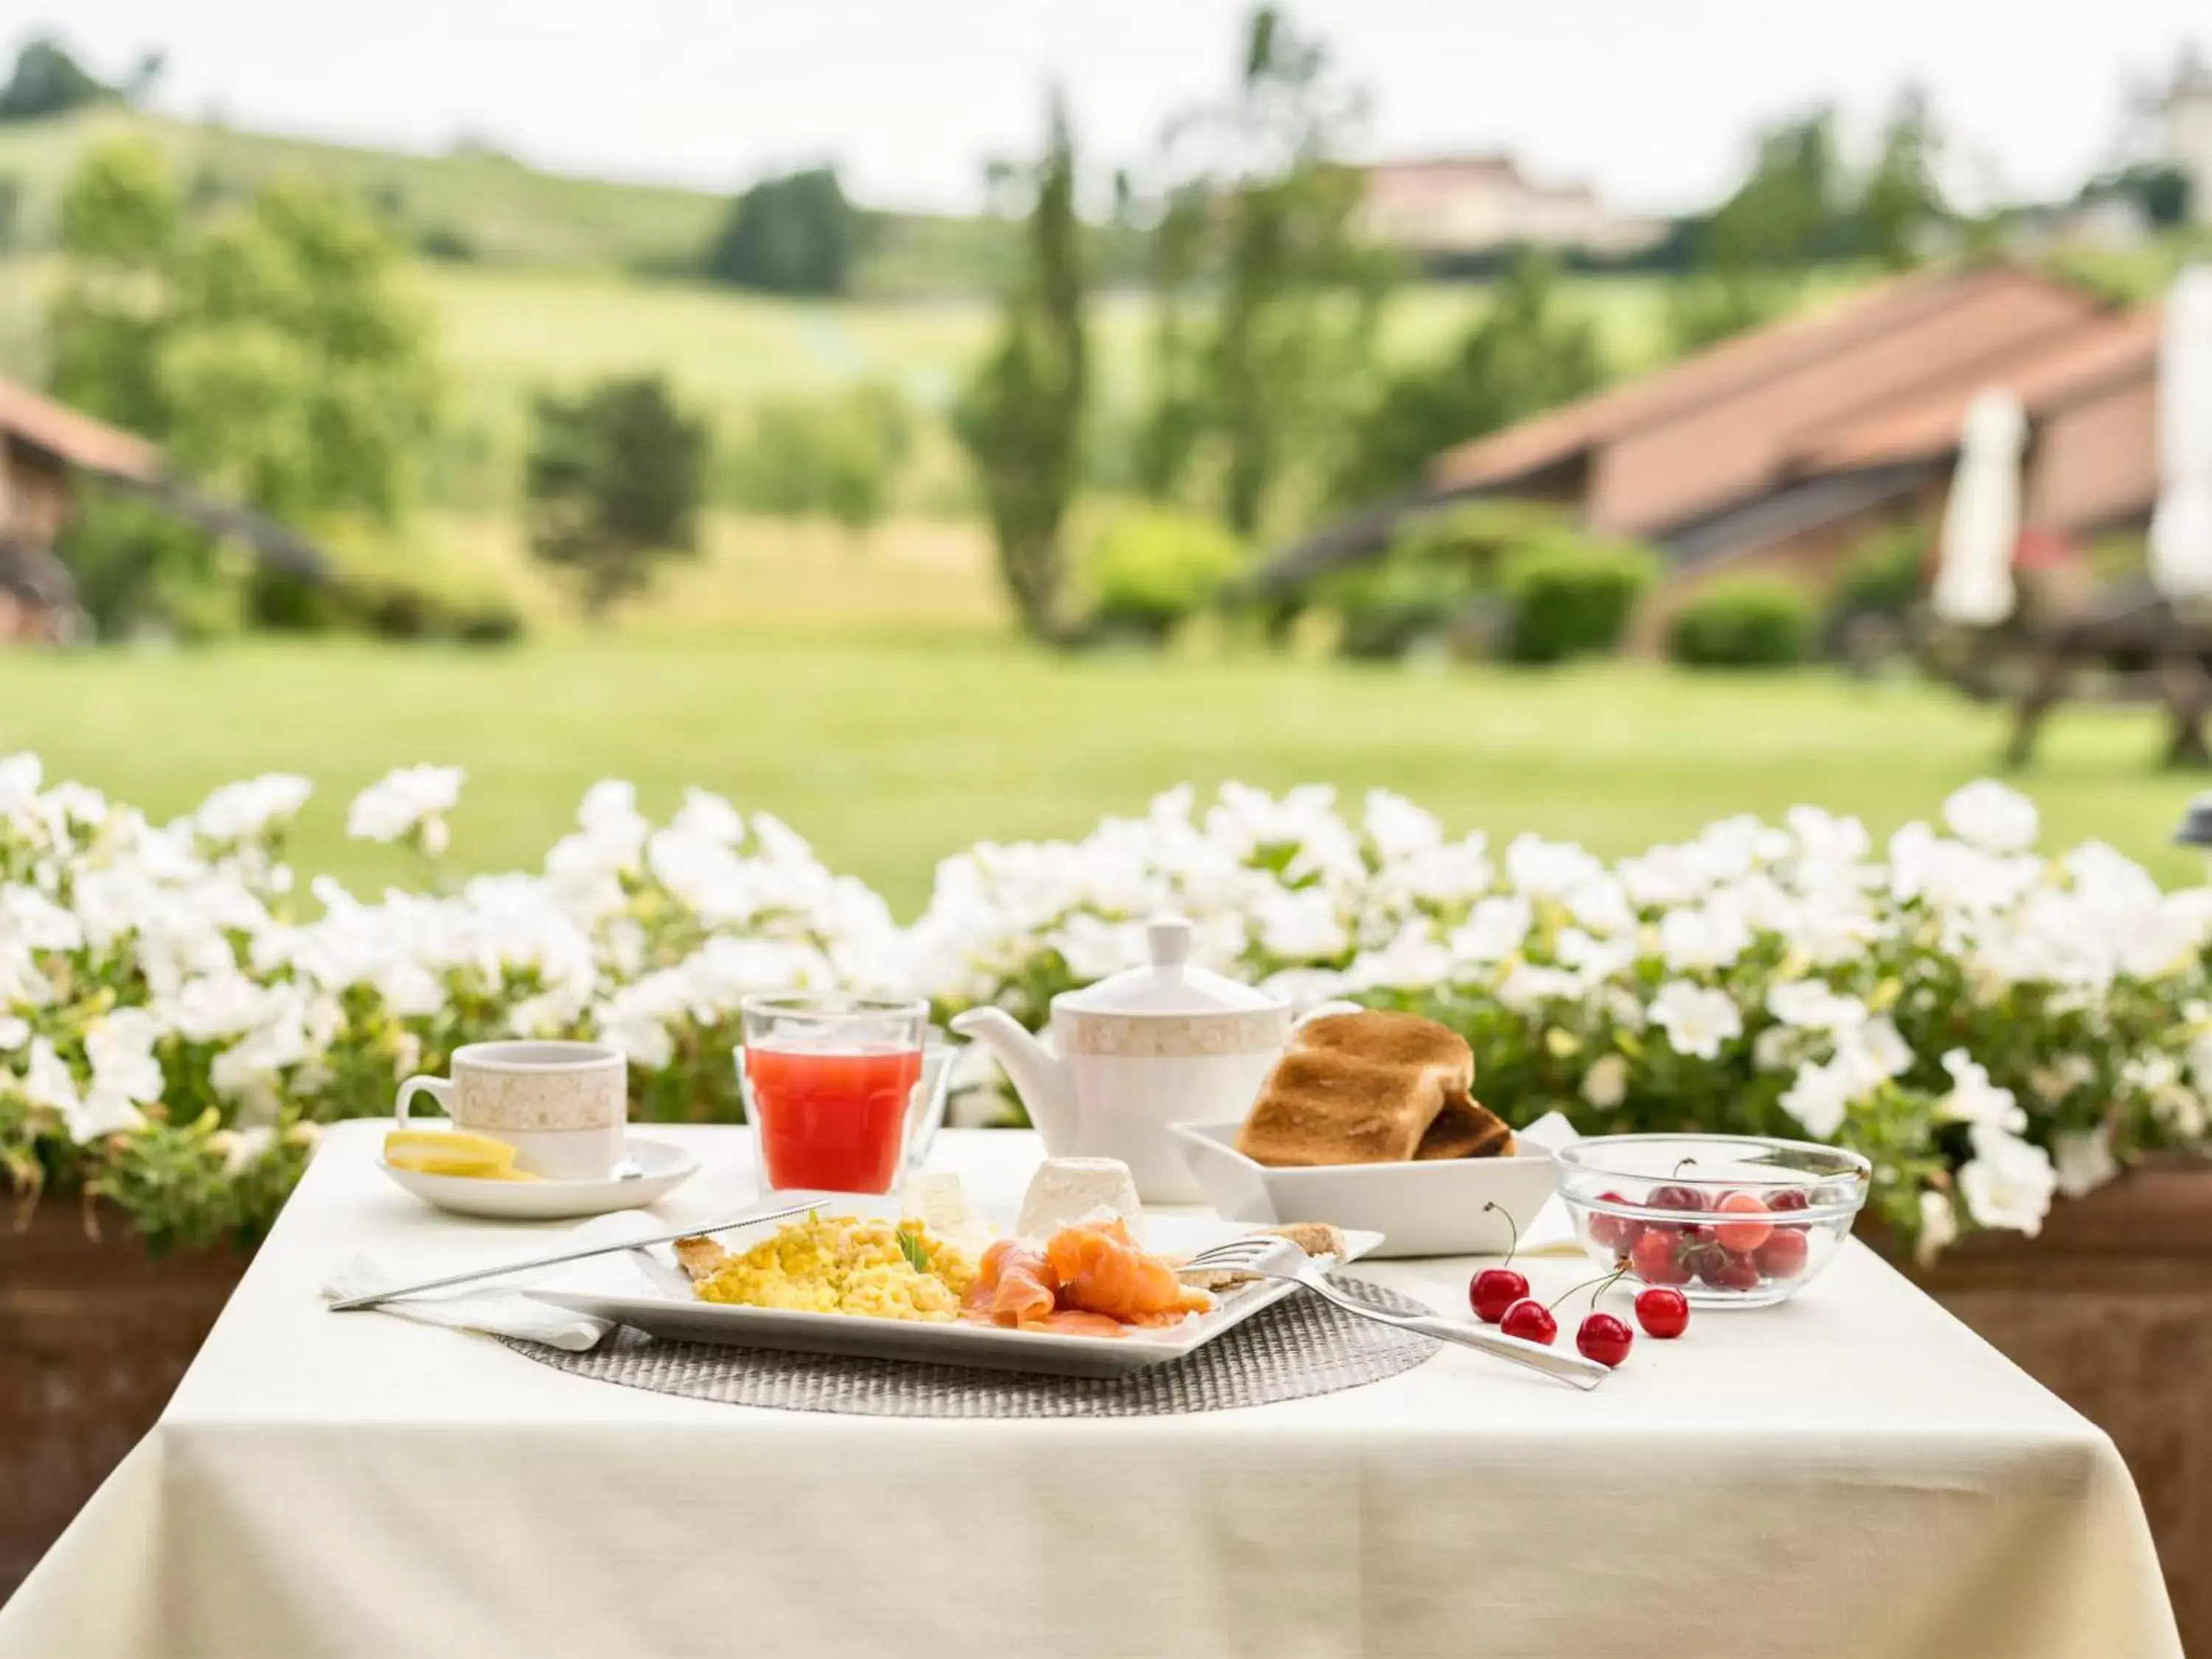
(1065, 1190)
(937, 1199)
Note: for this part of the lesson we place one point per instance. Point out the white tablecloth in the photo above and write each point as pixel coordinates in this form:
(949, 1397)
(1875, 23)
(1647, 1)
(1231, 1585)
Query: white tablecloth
(1853, 1475)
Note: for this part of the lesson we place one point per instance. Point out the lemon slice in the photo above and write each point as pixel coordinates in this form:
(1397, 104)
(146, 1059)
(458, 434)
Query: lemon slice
(448, 1152)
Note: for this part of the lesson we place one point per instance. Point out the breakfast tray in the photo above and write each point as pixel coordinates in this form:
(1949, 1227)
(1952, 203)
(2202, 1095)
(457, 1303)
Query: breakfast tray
(1297, 1349)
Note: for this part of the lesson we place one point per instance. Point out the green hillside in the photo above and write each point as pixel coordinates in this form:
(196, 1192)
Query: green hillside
(485, 204)
(473, 204)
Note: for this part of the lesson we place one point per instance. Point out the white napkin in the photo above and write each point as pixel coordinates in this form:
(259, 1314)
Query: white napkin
(1551, 1231)
(497, 1308)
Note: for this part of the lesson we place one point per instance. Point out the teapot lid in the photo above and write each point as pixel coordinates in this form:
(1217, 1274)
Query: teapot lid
(1168, 984)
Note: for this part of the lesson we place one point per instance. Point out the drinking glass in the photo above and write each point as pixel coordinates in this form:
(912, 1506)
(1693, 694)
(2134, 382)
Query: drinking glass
(829, 1081)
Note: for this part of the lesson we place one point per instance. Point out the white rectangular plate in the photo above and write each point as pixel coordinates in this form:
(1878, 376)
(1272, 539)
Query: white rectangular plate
(659, 1311)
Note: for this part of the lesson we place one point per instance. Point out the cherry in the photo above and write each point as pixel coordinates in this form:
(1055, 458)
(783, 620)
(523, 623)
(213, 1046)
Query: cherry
(1612, 1232)
(1663, 1311)
(1604, 1337)
(1791, 1197)
(1494, 1290)
(1652, 1260)
(1671, 1197)
(1531, 1320)
(1743, 1236)
(1783, 1256)
(1725, 1270)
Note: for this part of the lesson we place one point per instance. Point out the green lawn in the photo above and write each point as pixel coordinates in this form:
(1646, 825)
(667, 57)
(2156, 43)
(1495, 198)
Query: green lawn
(890, 750)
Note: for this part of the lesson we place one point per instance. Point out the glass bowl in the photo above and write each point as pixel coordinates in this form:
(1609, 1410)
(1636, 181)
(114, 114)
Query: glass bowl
(1732, 1221)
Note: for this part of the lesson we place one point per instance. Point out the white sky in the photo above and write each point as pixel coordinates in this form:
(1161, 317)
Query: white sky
(1651, 100)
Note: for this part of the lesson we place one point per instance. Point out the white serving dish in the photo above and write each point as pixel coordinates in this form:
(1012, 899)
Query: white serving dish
(666, 1168)
(1422, 1209)
(664, 1307)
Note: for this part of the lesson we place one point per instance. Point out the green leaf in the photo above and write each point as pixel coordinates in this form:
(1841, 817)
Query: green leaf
(916, 1252)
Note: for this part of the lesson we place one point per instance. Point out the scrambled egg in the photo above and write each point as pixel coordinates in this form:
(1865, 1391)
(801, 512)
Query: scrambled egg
(840, 1264)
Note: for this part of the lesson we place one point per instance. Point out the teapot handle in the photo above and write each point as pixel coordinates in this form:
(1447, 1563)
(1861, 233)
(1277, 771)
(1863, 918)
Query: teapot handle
(1337, 1005)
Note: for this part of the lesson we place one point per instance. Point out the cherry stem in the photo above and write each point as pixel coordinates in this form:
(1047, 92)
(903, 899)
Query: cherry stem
(1603, 1281)
(1683, 1165)
(1494, 1205)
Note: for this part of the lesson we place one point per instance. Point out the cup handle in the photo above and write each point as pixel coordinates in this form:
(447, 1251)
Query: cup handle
(1338, 1006)
(438, 1089)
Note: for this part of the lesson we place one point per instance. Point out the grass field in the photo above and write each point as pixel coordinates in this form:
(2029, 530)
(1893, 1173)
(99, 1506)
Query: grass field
(890, 748)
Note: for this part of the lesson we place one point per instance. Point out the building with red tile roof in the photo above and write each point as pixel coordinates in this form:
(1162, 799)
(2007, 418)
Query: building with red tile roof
(1786, 445)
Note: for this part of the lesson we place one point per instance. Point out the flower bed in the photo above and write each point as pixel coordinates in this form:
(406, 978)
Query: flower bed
(1990, 1024)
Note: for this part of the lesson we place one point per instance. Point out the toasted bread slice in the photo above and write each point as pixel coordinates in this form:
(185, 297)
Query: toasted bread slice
(1314, 1238)
(1322, 1108)
(1466, 1128)
(1387, 1039)
(699, 1257)
(1359, 1088)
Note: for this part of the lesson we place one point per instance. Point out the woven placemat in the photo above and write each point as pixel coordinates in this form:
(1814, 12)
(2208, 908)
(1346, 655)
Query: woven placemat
(1300, 1347)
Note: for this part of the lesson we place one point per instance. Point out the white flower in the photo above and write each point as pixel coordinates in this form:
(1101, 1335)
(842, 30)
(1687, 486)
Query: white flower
(408, 799)
(1526, 987)
(1991, 817)
(37, 921)
(1706, 938)
(2083, 1159)
(1697, 1021)
(1818, 1099)
(1300, 924)
(238, 811)
(120, 1048)
(1773, 1048)
(1605, 1086)
(1939, 1226)
(2008, 1182)
(49, 1082)
(1811, 1006)
(1974, 1099)
(1870, 1053)
(1494, 930)
(708, 817)
(104, 1111)
(1413, 960)
(243, 1148)
(1549, 869)
(1595, 960)
(1398, 829)
(14, 1033)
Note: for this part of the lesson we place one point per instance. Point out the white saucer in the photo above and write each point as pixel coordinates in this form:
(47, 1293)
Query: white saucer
(666, 1168)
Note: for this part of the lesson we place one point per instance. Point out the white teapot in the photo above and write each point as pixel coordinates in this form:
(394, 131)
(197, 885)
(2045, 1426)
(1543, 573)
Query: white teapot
(1161, 1044)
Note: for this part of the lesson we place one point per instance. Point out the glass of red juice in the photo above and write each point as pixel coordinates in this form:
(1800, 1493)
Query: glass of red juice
(828, 1080)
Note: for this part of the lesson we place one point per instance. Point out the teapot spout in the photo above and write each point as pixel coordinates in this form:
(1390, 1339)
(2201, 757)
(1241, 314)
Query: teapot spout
(1038, 1078)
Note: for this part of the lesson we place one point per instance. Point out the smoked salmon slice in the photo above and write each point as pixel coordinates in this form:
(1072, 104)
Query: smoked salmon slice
(1101, 1270)
(1016, 1286)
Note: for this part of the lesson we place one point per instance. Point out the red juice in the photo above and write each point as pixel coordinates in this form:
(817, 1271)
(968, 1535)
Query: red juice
(834, 1119)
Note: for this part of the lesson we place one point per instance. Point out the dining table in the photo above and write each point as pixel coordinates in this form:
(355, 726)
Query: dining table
(1850, 1473)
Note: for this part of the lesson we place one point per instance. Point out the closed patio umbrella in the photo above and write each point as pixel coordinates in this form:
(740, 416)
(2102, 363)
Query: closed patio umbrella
(2181, 528)
(1981, 518)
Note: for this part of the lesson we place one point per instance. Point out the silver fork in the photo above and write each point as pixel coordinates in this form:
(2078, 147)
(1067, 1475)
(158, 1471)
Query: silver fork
(1280, 1259)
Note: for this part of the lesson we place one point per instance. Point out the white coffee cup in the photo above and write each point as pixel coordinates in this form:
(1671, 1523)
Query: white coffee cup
(564, 1107)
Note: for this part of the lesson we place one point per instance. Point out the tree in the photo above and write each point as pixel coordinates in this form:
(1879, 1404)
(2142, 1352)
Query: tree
(1023, 416)
(1792, 209)
(1525, 355)
(613, 484)
(836, 457)
(795, 235)
(1900, 201)
(1267, 304)
(49, 81)
(269, 350)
